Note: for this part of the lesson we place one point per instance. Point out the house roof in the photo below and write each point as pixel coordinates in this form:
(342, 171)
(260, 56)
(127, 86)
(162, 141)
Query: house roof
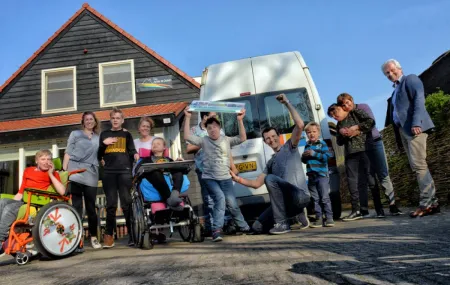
(74, 119)
(86, 7)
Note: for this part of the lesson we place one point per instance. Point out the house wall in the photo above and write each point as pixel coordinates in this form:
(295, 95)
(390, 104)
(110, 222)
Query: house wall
(22, 98)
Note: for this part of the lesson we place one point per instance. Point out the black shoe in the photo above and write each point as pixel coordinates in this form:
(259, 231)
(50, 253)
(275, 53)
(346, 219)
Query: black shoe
(130, 241)
(245, 231)
(353, 216)
(394, 210)
(317, 224)
(380, 214)
(365, 214)
(79, 249)
(435, 209)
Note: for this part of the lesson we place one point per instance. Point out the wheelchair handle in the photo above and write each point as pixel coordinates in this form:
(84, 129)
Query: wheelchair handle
(77, 171)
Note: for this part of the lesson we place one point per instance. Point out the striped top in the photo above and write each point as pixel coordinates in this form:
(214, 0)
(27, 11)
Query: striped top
(317, 163)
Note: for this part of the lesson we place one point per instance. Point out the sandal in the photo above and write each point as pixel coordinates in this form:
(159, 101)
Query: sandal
(421, 212)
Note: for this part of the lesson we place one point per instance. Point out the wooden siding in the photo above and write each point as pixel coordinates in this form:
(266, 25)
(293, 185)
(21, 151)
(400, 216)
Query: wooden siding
(22, 98)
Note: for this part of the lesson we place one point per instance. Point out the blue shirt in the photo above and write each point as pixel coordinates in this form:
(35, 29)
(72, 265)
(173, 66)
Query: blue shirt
(395, 117)
(318, 162)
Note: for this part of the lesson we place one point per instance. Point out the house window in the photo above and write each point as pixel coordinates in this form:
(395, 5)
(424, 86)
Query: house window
(59, 90)
(117, 83)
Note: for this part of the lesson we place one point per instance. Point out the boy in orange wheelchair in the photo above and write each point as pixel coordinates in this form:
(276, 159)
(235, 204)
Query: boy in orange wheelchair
(40, 177)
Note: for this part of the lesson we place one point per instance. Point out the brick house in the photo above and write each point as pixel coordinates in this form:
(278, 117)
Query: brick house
(437, 76)
(89, 64)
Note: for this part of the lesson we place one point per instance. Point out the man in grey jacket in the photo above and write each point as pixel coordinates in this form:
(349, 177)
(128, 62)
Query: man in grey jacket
(412, 123)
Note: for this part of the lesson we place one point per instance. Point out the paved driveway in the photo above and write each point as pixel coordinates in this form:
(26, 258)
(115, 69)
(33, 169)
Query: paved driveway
(397, 250)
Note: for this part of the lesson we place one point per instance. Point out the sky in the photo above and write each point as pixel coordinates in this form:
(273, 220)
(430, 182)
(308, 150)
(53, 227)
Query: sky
(344, 43)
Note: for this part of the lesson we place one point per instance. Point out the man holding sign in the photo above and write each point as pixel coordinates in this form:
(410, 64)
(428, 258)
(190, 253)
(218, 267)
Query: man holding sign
(283, 176)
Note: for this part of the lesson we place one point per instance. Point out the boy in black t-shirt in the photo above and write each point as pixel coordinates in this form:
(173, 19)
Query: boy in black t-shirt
(156, 177)
(116, 149)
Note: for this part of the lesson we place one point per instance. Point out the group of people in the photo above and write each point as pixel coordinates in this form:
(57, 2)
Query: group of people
(283, 176)
(365, 158)
(86, 148)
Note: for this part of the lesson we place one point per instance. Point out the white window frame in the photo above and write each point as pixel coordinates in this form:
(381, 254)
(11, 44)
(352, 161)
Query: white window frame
(44, 72)
(100, 76)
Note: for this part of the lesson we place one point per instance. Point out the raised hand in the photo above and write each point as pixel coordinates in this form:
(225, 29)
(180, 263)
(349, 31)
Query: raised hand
(241, 115)
(282, 99)
(187, 113)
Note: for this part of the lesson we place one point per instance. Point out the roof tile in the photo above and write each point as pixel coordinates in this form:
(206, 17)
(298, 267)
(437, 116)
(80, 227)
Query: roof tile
(74, 119)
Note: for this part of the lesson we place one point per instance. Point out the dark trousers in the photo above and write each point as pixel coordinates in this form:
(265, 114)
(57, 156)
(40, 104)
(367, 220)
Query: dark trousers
(319, 188)
(356, 166)
(90, 195)
(156, 177)
(286, 199)
(115, 186)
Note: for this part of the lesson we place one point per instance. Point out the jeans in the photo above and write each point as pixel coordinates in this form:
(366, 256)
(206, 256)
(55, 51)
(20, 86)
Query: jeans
(319, 188)
(378, 168)
(222, 193)
(117, 185)
(285, 198)
(90, 196)
(158, 181)
(356, 167)
(208, 203)
(416, 149)
(8, 214)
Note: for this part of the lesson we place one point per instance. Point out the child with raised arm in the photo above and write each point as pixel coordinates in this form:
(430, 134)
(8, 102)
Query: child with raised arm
(216, 170)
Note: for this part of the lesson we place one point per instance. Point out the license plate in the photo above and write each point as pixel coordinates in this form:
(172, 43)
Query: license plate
(246, 166)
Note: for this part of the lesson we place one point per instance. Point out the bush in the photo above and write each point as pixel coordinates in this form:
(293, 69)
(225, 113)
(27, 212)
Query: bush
(438, 106)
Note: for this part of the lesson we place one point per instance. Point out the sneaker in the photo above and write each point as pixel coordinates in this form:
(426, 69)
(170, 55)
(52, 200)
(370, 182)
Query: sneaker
(108, 241)
(380, 214)
(356, 215)
(216, 236)
(317, 224)
(245, 231)
(95, 244)
(329, 223)
(130, 241)
(303, 219)
(394, 210)
(280, 228)
(257, 227)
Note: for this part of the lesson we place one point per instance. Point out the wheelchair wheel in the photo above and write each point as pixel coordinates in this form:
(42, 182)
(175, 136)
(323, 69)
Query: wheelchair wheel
(147, 241)
(58, 230)
(198, 233)
(185, 233)
(137, 222)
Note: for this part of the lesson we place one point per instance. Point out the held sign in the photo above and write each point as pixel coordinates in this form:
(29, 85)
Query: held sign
(218, 107)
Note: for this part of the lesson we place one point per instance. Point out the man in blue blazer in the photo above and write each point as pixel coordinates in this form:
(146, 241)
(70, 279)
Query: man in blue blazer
(406, 111)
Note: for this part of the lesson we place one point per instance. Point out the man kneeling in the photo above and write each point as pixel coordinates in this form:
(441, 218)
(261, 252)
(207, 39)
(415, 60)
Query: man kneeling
(40, 177)
(283, 176)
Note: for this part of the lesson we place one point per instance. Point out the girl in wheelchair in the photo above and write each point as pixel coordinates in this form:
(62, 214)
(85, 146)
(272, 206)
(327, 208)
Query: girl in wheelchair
(156, 177)
(41, 177)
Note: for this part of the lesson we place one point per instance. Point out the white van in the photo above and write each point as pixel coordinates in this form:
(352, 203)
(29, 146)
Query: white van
(256, 81)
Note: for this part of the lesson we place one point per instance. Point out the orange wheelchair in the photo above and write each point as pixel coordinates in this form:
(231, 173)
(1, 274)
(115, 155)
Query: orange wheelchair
(47, 224)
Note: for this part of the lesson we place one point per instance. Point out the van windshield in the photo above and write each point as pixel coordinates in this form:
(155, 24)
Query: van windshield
(251, 120)
(277, 115)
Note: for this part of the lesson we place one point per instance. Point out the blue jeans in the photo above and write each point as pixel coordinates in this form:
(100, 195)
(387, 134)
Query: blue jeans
(285, 198)
(319, 188)
(379, 169)
(208, 202)
(222, 193)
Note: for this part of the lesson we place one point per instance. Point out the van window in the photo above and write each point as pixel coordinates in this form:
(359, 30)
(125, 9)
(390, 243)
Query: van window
(251, 120)
(277, 115)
